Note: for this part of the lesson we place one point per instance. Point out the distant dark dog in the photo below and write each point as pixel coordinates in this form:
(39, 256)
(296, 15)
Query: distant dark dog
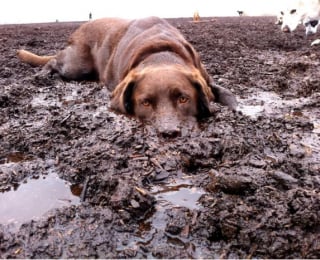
(154, 73)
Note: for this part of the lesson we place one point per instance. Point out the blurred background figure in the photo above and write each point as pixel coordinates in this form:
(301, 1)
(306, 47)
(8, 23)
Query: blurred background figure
(196, 16)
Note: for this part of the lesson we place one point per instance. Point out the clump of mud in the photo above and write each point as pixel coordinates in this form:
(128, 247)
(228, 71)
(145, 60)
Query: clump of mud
(245, 184)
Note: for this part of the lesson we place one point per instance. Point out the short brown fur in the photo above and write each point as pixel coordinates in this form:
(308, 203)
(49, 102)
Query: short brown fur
(134, 56)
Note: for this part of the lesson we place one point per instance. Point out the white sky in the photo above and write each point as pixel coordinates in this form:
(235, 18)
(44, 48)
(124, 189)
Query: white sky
(29, 11)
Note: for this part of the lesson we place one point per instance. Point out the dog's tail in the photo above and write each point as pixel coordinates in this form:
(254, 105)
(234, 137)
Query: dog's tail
(33, 59)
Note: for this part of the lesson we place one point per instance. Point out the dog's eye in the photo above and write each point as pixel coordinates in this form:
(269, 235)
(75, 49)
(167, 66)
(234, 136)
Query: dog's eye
(183, 99)
(146, 103)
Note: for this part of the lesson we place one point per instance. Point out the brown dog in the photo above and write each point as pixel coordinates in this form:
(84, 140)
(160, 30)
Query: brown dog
(154, 73)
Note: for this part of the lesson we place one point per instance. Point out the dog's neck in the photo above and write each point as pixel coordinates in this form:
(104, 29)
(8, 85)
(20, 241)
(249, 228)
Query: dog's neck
(165, 57)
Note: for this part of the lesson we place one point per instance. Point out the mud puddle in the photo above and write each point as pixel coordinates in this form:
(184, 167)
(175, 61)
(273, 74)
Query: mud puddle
(33, 198)
(178, 196)
(271, 104)
(72, 97)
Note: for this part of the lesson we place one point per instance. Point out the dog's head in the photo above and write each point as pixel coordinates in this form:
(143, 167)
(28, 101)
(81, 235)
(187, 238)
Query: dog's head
(167, 95)
(291, 18)
(311, 24)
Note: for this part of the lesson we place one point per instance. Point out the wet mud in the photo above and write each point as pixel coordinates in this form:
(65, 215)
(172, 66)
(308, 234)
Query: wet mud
(244, 184)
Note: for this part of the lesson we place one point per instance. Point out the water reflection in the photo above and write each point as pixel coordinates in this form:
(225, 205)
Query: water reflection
(34, 198)
(181, 196)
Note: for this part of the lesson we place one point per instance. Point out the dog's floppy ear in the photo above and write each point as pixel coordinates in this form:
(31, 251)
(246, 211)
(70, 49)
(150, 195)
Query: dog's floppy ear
(204, 93)
(202, 102)
(221, 94)
(224, 96)
(208, 91)
(121, 98)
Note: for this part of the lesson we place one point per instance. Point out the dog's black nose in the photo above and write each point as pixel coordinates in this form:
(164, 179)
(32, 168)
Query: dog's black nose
(168, 124)
(170, 133)
(286, 29)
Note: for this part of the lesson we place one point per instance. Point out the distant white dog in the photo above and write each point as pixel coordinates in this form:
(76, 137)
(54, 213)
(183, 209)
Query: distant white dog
(306, 12)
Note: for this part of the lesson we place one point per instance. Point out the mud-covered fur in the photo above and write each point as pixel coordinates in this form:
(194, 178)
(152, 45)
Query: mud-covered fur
(153, 72)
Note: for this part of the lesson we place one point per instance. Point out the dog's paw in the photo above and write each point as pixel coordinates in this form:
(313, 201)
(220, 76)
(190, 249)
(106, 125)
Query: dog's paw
(315, 42)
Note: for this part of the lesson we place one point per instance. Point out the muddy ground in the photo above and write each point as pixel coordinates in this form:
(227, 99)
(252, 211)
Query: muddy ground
(245, 184)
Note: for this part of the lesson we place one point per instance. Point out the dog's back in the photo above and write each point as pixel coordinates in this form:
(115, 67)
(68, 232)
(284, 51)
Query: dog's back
(94, 32)
(145, 38)
(111, 47)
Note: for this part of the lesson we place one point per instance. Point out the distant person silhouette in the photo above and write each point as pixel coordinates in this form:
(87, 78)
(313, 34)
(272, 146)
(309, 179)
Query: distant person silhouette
(90, 16)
